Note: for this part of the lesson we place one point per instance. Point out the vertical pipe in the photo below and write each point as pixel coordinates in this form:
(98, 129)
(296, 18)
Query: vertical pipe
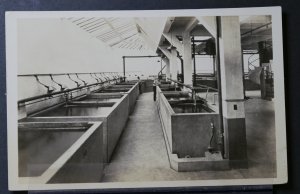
(218, 35)
(214, 65)
(124, 68)
(182, 70)
(161, 65)
(262, 59)
(194, 81)
(243, 69)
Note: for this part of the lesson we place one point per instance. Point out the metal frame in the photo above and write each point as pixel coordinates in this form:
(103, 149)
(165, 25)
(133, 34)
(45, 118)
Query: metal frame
(124, 62)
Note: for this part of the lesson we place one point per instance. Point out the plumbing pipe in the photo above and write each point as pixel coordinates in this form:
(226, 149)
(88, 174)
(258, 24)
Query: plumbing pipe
(48, 87)
(61, 86)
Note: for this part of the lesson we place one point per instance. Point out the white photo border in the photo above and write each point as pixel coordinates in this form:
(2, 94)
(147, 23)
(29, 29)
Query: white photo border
(279, 96)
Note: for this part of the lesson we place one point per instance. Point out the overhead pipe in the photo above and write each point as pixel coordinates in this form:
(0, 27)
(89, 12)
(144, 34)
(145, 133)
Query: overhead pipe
(94, 77)
(59, 92)
(252, 30)
(54, 93)
(85, 83)
(60, 85)
(124, 61)
(48, 87)
(98, 77)
(76, 82)
(105, 77)
(57, 74)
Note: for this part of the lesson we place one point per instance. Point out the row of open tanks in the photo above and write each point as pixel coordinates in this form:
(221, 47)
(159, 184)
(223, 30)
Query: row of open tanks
(191, 126)
(72, 142)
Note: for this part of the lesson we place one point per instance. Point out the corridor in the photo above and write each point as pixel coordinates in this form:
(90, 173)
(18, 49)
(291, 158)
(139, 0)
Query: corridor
(141, 154)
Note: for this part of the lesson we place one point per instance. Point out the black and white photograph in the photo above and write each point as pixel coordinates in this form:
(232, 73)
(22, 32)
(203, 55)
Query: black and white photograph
(133, 99)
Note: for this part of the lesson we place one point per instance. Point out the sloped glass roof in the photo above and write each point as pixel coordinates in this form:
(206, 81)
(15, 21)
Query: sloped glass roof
(115, 32)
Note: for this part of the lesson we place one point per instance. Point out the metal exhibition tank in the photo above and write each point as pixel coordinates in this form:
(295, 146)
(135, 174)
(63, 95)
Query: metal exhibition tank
(192, 131)
(58, 152)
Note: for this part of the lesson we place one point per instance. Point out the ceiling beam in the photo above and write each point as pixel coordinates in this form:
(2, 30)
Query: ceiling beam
(174, 41)
(209, 22)
(165, 51)
(145, 36)
(168, 24)
(191, 25)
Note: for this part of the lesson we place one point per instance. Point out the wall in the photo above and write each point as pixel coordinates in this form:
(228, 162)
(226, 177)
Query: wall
(59, 46)
(56, 46)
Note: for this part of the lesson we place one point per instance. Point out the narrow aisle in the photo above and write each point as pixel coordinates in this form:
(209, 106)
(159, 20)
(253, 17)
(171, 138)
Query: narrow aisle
(141, 153)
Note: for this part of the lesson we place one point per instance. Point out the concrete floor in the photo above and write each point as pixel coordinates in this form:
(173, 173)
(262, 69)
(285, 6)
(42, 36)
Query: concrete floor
(141, 154)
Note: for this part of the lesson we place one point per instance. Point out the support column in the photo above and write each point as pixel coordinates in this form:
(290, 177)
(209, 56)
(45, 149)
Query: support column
(187, 58)
(232, 91)
(168, 72)
(173, 63)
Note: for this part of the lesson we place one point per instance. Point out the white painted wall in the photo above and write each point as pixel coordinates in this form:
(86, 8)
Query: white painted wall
(58, 46)
(49, 46)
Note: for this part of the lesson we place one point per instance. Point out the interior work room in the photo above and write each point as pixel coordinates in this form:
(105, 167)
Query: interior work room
(127, 99)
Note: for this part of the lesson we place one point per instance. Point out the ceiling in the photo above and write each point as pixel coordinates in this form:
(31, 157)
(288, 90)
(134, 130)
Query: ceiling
(255, 29)
(124, 33)
(114, 32)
